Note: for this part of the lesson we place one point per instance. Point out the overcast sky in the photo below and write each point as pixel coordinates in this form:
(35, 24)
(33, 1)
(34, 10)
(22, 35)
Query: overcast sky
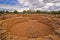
(30, 4)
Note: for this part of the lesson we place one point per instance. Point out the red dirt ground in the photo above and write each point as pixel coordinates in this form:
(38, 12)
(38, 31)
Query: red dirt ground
(28, 25)
(30, 29)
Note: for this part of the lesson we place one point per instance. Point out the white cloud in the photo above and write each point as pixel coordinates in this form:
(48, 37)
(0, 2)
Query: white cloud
(57, 4)
(41, 0)
(21, 1)
(15, 7)
(26, 4)
(33, 4)
(7, 6)
(49, 4)
(39, 4)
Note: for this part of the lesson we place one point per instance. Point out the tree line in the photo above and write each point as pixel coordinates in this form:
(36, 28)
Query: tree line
(30, 12)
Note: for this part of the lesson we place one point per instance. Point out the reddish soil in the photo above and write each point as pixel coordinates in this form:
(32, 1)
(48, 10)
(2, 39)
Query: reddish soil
(28, 25)
(30, 29)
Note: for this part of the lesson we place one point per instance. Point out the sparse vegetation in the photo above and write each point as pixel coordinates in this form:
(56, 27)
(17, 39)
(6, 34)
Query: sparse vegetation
(15, 12)
(30, 12)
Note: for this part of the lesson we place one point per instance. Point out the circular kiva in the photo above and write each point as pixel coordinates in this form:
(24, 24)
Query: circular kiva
(28, 28)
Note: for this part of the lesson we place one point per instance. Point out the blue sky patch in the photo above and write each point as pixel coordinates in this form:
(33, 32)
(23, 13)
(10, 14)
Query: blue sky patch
(8, 2)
